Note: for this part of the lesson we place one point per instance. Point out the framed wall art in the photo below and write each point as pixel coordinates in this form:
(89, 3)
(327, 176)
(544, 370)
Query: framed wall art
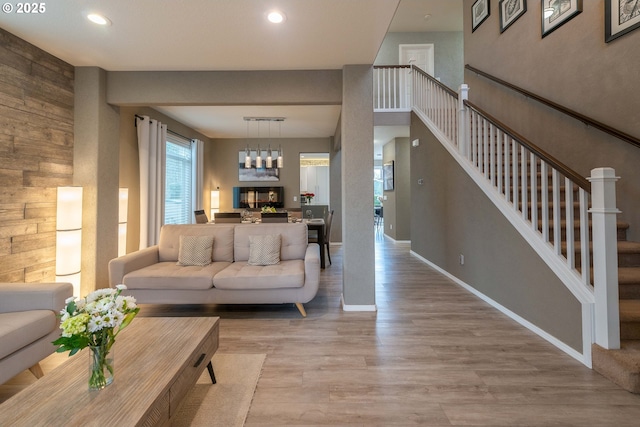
(510, 10)
(387, 176)
(557, 12)
(479, 12)
(620, 18)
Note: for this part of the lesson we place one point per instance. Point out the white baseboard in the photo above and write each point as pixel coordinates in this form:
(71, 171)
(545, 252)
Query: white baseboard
(524, 322)
(396, 241)
(352, 307)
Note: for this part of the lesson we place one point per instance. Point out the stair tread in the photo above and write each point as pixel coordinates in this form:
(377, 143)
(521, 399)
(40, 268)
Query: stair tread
(622, 366)
(629, 310)
(628, 275)
(628, 354)
(626, 246)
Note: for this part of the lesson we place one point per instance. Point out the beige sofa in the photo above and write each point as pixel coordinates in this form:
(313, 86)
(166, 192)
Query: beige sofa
(28, 324)
(153, 276)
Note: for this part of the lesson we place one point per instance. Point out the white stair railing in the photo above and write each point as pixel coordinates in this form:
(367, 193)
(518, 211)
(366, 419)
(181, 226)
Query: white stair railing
(533, 189)
(392, 88)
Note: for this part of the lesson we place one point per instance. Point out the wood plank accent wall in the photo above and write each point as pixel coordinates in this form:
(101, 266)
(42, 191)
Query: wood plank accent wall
(36, 156)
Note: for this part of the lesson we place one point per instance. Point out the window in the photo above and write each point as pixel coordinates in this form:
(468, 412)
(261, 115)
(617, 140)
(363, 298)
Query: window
(178, 205)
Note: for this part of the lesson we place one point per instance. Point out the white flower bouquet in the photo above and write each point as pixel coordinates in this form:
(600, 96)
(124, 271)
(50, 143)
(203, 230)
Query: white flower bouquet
(94, 322)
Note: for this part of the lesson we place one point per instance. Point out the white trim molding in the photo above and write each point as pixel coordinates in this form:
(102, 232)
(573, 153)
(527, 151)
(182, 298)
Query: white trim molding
(353, 307)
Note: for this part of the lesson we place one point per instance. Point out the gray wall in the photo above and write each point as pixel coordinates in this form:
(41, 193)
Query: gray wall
(448, 53)
(451, 216)
(574, 67)
(397, 206)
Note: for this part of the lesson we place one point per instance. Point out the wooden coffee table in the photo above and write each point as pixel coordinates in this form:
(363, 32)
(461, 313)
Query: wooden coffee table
(157, 361)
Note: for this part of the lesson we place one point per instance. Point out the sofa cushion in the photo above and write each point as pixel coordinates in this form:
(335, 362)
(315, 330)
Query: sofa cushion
(21, 328)
(293, 244)
(169, 243)
(241, 275)
(169, 275)
(195, 250)
(264, 249)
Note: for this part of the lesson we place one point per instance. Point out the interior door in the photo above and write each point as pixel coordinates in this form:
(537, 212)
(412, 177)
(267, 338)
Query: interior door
(420, 55)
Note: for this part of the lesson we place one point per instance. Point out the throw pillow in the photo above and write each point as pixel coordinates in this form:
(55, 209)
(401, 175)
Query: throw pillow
(195, 250)
(264, 250)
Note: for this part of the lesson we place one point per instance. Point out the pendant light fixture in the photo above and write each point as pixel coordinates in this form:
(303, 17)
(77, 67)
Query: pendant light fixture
(268, 160)
(258, 158)
(247, 158)
(280, 162)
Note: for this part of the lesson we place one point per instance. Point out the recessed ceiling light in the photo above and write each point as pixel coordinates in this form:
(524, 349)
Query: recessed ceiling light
(98, 19)
(276, 17)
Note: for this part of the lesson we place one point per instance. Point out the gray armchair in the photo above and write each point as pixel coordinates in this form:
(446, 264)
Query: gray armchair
(28, 324)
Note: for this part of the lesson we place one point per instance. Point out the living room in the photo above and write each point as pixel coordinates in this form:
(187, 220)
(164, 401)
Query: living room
(52, 133)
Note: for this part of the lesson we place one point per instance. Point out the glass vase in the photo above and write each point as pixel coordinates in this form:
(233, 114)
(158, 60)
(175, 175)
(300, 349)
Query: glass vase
(100, 367)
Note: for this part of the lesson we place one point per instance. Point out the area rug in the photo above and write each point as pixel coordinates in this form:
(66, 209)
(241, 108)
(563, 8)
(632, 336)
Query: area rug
(227, 402)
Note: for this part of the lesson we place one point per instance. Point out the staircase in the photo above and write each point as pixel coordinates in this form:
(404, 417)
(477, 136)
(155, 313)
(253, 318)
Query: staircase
(513, 172)
(623, 366)
(620, 366)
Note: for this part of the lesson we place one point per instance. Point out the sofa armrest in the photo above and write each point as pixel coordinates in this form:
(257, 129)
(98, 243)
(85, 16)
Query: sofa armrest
(125, 264)
(312, 261)
(34, 296)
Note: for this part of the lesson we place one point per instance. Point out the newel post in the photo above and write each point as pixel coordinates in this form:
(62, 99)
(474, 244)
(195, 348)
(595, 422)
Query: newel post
(463, 121)
(605, 257)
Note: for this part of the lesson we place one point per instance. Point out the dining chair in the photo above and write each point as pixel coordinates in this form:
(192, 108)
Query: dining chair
(201, 217)
(378, 220)
(227, 217)
(327, 234)
(275, 217)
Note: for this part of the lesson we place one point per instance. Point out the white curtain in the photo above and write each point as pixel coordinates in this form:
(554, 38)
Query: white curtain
(152, 137)
(197, 157)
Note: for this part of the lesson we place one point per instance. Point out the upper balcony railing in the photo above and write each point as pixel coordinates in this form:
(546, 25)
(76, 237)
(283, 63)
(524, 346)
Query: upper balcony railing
(392, 88)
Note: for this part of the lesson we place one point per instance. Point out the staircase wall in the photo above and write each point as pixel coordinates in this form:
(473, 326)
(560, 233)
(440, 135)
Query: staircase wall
(574, 67)
(450, 216)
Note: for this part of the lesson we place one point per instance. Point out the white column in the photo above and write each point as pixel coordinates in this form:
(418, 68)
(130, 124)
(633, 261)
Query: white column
(605, 257)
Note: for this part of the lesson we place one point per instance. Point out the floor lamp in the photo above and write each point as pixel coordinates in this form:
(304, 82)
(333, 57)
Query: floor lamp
(215, 202)
(69, 236)
(123, 210)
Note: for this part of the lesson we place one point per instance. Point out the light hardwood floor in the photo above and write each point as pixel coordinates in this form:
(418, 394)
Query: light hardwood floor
(432, 355)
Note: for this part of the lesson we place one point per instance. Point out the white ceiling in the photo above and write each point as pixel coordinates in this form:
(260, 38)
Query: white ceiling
(230, 35)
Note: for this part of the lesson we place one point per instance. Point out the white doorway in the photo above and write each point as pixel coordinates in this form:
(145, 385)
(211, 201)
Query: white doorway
(420, 55)
(315, 177)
